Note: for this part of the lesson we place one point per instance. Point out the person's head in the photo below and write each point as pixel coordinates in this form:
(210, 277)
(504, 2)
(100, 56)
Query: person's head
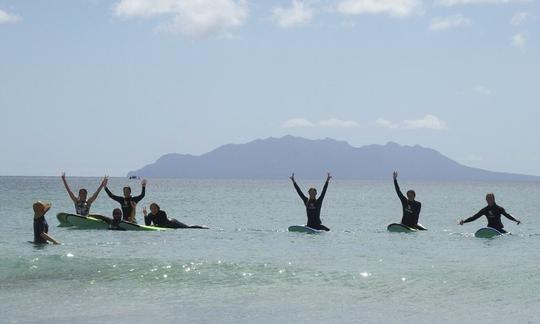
(312, 193)
(154, 208)
(40, 208)
(127, 192)
(83, 193)
(411, 195)
(117, 214)
(490, 198)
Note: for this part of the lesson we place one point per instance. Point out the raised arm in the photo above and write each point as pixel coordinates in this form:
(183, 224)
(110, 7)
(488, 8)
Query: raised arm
(396, 185)
(510, 217)
(143, 192)
(323, 193)
(113, 197)
(147, 219)
(101, 186)
(71, 195)
(298, 190)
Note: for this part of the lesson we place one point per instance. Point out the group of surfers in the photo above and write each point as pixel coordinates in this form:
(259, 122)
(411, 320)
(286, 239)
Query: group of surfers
(128, 203)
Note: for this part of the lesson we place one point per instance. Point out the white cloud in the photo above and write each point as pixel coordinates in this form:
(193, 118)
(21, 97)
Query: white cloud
(298, 14)
(385, 123)
(519, 40)
(8, 18)
(192, 18)
(395, 8)
(444, 23)
(483, 90)
(522, 17)
(428, 122)
(327, 123)
(450, 3)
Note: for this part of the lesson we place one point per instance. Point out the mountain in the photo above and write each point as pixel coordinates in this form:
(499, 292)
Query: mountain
(277, 158)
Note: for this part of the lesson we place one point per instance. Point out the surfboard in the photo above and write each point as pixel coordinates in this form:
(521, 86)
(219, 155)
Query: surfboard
(487, 232)
(400, 228)
(304, 229)
(127, 226)
(62, 218)
(83, 222)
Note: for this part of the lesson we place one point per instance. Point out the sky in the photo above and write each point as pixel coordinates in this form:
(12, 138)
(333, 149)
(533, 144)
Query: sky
(94, 87)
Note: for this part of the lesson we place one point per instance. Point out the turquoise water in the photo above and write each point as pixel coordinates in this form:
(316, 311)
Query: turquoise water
(248, 268)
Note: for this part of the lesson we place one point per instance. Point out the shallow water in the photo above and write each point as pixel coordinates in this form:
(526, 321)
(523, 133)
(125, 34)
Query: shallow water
(247, 267)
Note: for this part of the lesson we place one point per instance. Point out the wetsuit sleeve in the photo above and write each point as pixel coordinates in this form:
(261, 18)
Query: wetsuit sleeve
(147, 220)
(141, 196)
(113, 197)
(398, 191)
(323, 193)
(510, 217)
(475, 217)
(300, 193)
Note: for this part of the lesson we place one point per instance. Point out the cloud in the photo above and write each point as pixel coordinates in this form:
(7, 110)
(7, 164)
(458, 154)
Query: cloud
(522, 17)
(394, 8)
(298, 14)
(519, 40)
(428, 122)
(8, 18)
(483, 90)
(444, 23)
(450, 3)
(192, 18)
(327, 123)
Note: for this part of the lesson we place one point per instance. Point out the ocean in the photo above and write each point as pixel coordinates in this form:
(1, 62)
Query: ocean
(248, 268)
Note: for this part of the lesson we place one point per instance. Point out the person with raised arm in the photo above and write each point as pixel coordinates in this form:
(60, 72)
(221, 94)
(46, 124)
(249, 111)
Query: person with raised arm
(82, 204)
(411, 207)
(493, 214)
(313, 204)
(128, 212)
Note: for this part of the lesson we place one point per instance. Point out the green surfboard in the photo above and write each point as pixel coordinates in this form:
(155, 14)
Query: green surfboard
(127, 226)
(82, 222)
(487, 232)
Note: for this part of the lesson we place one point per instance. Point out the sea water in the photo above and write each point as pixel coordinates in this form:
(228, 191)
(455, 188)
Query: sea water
(248, 268)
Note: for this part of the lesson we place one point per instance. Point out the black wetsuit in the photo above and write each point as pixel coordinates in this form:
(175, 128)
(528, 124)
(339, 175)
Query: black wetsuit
(114, 225)
(493, 215)
(313, 208)
(40, 227)
(126, 202)
(411, 209)
(161, 220)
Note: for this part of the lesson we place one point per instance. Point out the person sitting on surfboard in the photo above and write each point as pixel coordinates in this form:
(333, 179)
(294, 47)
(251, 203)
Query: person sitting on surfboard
(411, 207)
(313, 204)
(41, 228)
(128, 211)
(114, 223)
(160, 219)
(493, 214)
(82, 205)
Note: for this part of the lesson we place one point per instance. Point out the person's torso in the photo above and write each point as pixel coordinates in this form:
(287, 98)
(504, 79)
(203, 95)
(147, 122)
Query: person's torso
(411, 207)
(82, 208)
(40, 226)
(493, 215)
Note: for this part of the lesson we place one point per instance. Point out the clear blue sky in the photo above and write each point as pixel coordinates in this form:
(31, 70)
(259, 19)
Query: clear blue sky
(103, 87)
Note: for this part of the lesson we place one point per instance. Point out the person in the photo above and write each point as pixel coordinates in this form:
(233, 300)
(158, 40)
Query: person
(160, 219)
(313, 204)
(411, 207)
(128, 212)
(114, 223)
(82, 205)
(493, 214)
(41, 228)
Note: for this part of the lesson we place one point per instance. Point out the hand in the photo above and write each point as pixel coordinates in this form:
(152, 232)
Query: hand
(292, 177)
(63, 176)
(144, 211)
(395, 174)
(105, 181)
(328, 177)
(144, 183)
(518, 222)
(461, 222)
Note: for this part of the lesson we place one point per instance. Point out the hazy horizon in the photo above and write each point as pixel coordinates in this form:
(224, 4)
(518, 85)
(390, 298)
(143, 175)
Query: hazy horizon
(104, 87)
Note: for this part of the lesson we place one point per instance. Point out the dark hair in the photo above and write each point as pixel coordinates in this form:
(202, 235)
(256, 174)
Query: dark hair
(117, 211)
(128, 187)
(83, 190)
(411, 192)
(154, 204)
